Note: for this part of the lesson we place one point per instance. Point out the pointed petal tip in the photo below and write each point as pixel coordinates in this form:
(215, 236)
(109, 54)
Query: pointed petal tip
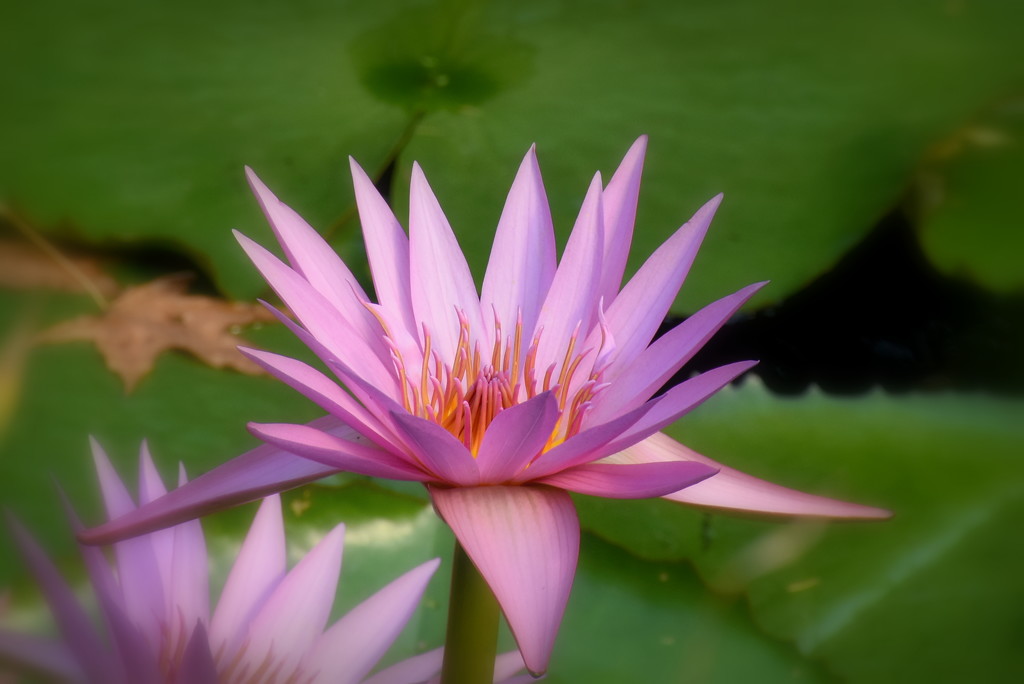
(242, 238)
(359, 175)
(263, 194)
(530, 158)
(639, 146)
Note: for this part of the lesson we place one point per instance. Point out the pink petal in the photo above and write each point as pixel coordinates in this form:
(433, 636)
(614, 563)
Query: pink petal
(137, 656)
(515, 436)
(38, 656)
(376, 402)
(736, 491)
(309, 253)
(522, 261)
(507, 664)
(635, 383)
(582, 447)
(316, 386)
(620, 200)
(438, 450)
(525, 542)
(255, 474)
(639, 481)
(379, 403)
(132, 651)
(596, 442)
(116, 498)
(357, 342)
(387, 248)
(294, 615)
(151, 487)
(258, 568)
(189, 585)
(438, 274)
(678, 401)
(572, 299)
(356, 642)
(197, 664)
(346, 454)
(144, 600)
(413, 670)
(635, 314)
(75, 627)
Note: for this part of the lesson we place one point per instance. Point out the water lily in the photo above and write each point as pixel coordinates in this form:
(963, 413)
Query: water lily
(499, 402)
(268, 625)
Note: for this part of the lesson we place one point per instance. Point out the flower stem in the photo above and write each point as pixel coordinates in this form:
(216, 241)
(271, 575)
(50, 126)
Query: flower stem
(472, 640)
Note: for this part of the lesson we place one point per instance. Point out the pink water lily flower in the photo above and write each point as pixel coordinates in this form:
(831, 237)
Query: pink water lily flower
(501, 402)
(268, 625)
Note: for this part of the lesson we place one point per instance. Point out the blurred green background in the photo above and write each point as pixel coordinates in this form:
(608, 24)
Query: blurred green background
(124, 127)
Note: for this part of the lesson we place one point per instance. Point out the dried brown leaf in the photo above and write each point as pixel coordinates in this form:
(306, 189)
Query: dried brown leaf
(147, 320)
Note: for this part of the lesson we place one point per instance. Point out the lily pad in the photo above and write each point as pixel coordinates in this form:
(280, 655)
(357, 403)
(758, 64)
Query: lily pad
(810, 118)
(938, 580)
(127, 122)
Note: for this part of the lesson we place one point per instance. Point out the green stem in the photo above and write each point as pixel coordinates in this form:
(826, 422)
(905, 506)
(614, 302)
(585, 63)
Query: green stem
(472, 640)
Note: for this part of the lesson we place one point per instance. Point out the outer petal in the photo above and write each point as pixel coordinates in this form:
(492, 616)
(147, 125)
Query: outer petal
(620, 199)
(678, 401)
(522, 261)
(189, 587)
(413, 670)
(344, 454)
(637, 382)
(356, 642)
(582, 447)
(439, 276)
(525, 542)
(144, 600)
(33, 655)
(356, 342)
(638, 481)
(599, 441)
(260, 565)
(253, 475)
(295, 614)
(151, 487)
(136, 659)
(515, 436)
(508, 664)
(75, 627)
(736, 491)
(309, 253)
(387, 248)
(326, 393)
(421, 668)
(635, 314)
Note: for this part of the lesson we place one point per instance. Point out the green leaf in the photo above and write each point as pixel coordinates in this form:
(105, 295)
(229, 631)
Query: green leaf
(810, 118)
(938, 581)
(125, 122)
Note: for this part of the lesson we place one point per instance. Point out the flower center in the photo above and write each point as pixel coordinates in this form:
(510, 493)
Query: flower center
(464, 394)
